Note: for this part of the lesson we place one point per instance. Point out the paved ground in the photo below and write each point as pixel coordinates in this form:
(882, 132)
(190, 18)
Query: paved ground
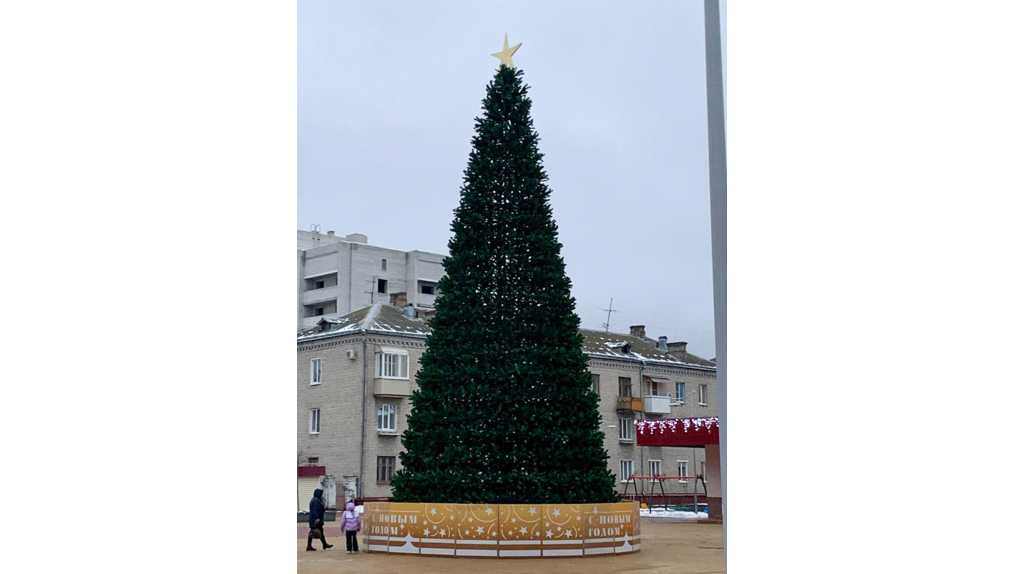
(668, 547)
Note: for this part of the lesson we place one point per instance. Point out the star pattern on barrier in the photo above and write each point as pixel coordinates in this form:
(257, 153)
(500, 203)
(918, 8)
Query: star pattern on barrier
(426, 531)
(547, 524)
(443, 531)
(557, 512)
(522, 530)
(550, 534)
(533, 510)
(513, 520)
(433, 511)
(479, 529)
(489, 511)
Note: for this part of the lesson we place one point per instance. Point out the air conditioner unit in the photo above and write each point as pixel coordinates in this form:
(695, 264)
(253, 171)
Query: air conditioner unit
(350, 354)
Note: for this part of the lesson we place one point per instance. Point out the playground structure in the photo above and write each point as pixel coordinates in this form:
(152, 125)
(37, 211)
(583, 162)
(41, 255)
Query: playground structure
(696, 432)
(640, 494)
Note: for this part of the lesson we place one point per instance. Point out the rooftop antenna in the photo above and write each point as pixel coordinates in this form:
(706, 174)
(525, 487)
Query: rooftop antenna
(610, 311)
(315, 228)
(373, 285)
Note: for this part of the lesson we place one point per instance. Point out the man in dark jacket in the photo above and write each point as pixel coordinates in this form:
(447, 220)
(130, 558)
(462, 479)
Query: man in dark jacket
(316, 520)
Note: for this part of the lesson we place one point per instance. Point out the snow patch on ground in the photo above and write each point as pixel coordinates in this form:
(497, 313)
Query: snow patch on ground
(662, 513)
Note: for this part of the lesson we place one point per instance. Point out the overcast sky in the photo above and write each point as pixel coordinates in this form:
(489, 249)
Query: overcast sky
(387, 97)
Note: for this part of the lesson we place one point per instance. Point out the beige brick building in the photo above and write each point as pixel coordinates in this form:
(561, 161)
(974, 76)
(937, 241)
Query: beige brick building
(356, 374)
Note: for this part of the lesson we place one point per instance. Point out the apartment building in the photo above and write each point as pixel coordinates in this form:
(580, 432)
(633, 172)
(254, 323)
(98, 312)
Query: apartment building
(356, 374)
(337, 275)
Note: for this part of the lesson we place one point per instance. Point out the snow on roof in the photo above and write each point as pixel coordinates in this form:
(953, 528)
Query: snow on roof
(384, 318)
(377, 318)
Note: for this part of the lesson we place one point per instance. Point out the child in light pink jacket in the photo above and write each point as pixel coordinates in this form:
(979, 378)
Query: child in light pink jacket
(351, 524)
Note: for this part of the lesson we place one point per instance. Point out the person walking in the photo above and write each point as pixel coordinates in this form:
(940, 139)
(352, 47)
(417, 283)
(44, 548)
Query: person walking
(316, 521)
(351, 523)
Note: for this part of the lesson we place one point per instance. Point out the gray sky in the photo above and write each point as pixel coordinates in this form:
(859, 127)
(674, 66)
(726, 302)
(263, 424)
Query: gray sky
(388, 93)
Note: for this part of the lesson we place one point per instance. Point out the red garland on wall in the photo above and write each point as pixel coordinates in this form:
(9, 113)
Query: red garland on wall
(699, 431)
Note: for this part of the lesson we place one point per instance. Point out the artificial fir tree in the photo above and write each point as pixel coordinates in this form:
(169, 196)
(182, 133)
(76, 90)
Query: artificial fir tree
(504, 412)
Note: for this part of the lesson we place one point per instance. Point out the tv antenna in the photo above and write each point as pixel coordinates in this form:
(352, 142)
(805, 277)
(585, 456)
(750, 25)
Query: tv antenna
(610, 311)
(315, 228)
(373, 285)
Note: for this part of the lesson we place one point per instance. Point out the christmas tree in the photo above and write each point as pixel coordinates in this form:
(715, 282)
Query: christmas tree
(504, 412)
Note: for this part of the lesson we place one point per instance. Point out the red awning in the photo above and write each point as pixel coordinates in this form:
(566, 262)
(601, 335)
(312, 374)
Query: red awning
(308, 470)
(698, 431)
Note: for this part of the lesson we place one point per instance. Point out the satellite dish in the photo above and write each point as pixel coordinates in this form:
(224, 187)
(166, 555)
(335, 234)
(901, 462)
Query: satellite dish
(315, 228)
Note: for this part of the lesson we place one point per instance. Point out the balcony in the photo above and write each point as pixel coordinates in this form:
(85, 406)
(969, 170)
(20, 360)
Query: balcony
(657, 404)
(635, 404)
(321, 295)
(392, 388)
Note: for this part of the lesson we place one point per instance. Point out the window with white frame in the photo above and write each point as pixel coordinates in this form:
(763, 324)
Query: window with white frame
(681, 392)
(314, 421)
(703, 396)
(393, 364)
(595, 383)
(703, 470)
(626, 429)
(315, 367)
(386, 418)
(684, 469)
(625, 470)
(655, 468)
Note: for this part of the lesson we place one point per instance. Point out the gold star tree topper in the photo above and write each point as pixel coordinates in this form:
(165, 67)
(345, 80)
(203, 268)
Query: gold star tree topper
(506, 54)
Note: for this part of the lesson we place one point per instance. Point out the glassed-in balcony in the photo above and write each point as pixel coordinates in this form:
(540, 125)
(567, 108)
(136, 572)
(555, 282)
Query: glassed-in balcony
(657, 404)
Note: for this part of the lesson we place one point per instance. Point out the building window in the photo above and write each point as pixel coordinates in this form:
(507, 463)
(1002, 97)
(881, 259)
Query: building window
(703, 398)
(382, 286)
(681, 392)
(392, 366)
(314, 421)
(385, 469)
(595, 383)
(626, 429)
(655, 468)
(427, 289)
(684, 469)
(313, 460)
(625, 387)
(383, 264)
(315, 371)
(703, 469)
(318, 311)
(386, 418)
(625, 470)
(319, 285)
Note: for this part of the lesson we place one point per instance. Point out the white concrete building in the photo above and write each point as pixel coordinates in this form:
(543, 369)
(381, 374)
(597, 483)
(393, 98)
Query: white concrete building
(337, 275)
